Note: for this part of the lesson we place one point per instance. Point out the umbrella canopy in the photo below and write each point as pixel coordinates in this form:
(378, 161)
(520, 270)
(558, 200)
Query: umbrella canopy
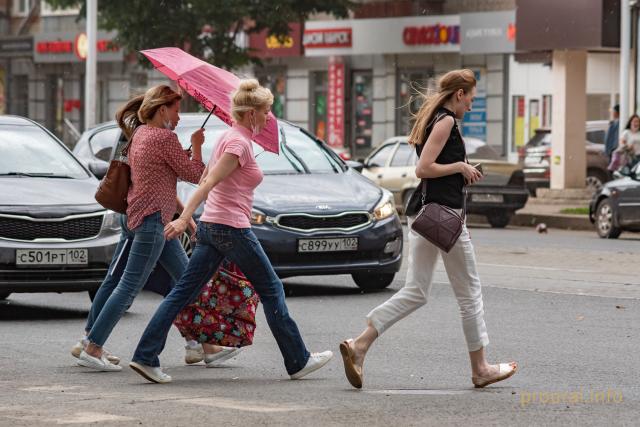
(209, 85)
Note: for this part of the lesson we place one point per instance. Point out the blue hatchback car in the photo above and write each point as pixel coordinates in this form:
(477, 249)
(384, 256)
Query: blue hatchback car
(313, 214)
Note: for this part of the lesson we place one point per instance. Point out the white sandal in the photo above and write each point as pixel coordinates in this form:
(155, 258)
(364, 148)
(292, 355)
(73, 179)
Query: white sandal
(505, 370)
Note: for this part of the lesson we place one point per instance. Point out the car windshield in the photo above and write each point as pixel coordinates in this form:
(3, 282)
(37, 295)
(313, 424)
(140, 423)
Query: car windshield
(30, 151)
(300, 153)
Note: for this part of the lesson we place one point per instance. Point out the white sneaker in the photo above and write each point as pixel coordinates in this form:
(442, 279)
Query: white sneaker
(99, 364)
(193, 354)
(215, 359)
(153, 374)
(79, 346)
(315, 362)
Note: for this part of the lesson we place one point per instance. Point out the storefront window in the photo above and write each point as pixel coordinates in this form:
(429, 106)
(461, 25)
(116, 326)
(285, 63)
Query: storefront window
(408, 101)
(362, 99)
(19, 100)
(318, 107)
(275, 79)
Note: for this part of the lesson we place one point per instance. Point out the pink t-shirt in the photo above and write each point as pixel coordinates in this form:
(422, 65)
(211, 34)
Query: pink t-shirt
(230, 201)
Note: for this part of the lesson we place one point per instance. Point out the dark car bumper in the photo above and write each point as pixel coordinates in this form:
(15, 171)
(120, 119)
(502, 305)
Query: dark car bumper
(281, 247)
(482, 200)
(56, 278)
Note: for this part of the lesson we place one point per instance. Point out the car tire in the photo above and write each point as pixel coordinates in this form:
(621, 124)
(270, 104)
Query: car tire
(373, 281)
(595, 180)
(406, 196)
(604, 221)
(186, 243)
(4, 295)
(499, 219)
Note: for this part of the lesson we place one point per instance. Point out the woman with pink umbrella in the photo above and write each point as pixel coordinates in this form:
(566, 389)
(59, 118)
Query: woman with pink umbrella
(224, 231)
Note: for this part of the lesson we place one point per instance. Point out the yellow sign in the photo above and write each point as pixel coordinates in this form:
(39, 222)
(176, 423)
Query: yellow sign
(272, 42)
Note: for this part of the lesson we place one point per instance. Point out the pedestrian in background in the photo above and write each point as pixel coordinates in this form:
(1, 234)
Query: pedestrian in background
(611, 139)
(157, 160)
(224, 231)
(442, 163)
(630, 139)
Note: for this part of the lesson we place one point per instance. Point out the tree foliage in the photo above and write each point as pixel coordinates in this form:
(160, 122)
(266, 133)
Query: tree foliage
(147, 24)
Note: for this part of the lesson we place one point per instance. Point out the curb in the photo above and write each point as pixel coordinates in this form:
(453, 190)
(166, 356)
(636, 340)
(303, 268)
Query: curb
(565, 222)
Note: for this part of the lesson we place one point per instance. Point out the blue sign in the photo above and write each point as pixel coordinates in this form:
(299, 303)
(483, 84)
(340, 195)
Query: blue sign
(474, 124)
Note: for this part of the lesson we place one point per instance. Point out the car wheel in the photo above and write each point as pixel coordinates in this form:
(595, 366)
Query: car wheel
(604, 221)
(373, 281)
(4, 295)
(187, 244)
(406, 196)
(595, 180)
(499, 219)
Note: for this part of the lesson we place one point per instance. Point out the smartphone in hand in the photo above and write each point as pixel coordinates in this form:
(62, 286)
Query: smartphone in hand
(478, 167)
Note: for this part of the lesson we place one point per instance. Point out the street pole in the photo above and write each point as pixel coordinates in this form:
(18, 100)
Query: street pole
(91, 65)
(625, 53)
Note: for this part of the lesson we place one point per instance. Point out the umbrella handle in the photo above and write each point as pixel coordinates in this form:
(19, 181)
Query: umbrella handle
(207, 119)
(202, 127)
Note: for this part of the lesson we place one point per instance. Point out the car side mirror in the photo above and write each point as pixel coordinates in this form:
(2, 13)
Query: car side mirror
(357, 166)
(98, 168)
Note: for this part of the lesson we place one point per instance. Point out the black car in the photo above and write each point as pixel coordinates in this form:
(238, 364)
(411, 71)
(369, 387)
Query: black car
(313, 214)
(616, 207)
(54, 236)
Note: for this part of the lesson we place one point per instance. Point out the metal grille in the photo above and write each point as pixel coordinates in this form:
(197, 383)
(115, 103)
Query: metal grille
(71, 229)
(306, 222)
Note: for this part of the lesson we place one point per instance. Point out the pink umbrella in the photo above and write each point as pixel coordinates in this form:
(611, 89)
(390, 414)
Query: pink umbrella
(209, 85)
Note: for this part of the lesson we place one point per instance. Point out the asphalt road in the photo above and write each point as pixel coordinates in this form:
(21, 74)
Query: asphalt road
(565, 305)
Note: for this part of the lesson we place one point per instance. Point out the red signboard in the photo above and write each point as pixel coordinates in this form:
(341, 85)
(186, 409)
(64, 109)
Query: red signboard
(265, 46)
(431, 35)
(326, 38)
(335, 104)
(77, 46)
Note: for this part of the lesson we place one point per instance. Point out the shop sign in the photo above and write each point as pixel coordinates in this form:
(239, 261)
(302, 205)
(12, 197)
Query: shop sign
(16, 46)
(71, 47)
(265, 46)
(413, 34)
(474, 124)
(431, 35)
(335, 107)
(327, 38)
(488, 32)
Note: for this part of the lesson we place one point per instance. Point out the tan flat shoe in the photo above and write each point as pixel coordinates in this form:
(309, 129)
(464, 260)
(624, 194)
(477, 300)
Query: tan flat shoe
(505, 371)
(353, 373)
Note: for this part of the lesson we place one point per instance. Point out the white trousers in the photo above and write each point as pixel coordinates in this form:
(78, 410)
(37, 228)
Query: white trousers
(460, 264)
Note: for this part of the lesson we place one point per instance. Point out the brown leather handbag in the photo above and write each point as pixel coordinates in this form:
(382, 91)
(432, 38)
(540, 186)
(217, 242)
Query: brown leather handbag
(114, 187)
(439, 224)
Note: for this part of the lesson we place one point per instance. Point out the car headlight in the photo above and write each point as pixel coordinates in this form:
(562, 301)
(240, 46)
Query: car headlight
(111, 221)
(258, 217)
(385, 207)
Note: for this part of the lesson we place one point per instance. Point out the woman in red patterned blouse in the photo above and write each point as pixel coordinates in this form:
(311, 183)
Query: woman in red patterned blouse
(157, 160)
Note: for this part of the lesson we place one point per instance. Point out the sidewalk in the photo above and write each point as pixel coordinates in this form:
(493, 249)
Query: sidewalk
(547, 208)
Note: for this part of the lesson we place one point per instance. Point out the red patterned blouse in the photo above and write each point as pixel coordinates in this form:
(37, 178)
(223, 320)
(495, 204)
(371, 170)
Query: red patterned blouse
(157, 160)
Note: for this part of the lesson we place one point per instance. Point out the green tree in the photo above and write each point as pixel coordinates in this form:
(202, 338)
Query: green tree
(147, 24)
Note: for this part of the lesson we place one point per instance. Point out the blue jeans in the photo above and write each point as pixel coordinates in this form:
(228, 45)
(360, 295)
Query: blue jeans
(240, 246)
(120, 287)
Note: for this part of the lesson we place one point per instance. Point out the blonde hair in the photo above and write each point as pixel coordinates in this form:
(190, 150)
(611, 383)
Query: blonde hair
(249, 96)
(448, 85)
(140, 109)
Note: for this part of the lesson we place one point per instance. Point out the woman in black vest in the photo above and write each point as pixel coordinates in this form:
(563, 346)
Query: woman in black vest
(443, 168)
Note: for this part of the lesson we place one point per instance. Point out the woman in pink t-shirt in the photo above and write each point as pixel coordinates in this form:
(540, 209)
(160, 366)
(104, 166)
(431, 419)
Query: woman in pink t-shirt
(224, 231)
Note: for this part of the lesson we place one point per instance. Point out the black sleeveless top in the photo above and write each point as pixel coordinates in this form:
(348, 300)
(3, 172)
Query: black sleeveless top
(446, 190)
